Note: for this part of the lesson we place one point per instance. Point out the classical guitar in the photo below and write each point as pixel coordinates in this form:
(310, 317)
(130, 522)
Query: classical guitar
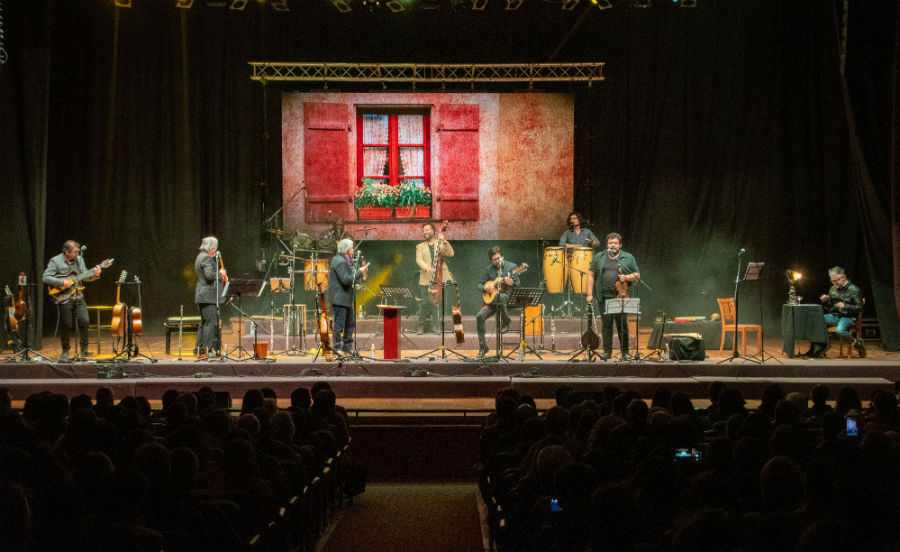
(322, 326)
(58, 294)
(436, 291)
(590, 340)
(13, 323)
(457, 318)
(117, 326)
(20, 304)
(499, 286)
(136, 323)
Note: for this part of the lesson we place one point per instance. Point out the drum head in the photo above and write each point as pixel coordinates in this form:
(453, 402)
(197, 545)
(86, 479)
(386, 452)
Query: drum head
(301, 240)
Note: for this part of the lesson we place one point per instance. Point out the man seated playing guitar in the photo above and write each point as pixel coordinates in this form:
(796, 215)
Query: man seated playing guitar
(503, 271)
(61, 272)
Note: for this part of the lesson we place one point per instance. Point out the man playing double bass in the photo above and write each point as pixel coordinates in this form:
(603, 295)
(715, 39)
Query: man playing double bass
(426, 256)
(608, 268)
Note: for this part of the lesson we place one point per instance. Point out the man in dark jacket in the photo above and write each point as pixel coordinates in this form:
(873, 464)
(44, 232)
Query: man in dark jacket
(842, 305)
(499, 269)
(210, 279)
(342, 277)
(608, 268)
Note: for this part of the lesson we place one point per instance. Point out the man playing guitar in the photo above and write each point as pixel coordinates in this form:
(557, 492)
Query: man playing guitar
(505, 271)
(59, 273)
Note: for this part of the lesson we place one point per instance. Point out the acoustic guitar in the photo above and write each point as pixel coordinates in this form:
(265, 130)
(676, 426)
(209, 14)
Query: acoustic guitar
(590, 340)
(21, 307)
(436, 291)
(322, 326)
(136, 323)
(117, 326)
(58, 294)
(13, 323)
(457, 318)
(499, 286)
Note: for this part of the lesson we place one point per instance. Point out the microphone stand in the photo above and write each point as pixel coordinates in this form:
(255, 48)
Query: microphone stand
(734, 335)
(638, 282)
(355, 266)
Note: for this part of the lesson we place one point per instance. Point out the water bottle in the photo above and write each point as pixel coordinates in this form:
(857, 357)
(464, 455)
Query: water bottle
(372, 353)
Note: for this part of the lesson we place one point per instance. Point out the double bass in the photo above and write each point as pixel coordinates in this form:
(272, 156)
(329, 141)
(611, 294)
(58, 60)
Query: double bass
(457, 318)
(436, 292)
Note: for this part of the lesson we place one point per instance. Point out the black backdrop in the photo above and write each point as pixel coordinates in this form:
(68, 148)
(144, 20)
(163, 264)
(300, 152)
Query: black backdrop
(137, 131)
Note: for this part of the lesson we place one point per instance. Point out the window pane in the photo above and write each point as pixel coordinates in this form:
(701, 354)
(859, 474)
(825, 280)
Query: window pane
(420, 182)
(409, 129)
(375, 129)
(375, 161)
(412, 161)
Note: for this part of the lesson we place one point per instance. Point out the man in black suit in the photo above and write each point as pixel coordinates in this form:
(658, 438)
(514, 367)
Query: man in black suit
(342, 277)
(498, 268)
(210, 279)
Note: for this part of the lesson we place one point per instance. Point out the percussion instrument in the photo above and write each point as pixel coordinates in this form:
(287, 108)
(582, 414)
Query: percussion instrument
(315, 272)
(578, 267)
(301, 240)
(294, 316)
(280, 284)
(554, 269)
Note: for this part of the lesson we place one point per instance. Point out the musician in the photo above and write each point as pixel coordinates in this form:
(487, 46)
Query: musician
(342, 275)
(842, 305)
(210, 279)
(329, 239)
(499, 267)
(70, 261)
(608, 267)
(426, 256)
(576, 236)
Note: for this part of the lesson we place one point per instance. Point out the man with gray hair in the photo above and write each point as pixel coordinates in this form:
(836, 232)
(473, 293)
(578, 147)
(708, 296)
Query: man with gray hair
(211, 278)
(342, 277)
(842, 304)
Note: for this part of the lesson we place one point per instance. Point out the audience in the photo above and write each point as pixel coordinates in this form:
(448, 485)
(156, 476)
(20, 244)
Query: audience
(610, 471)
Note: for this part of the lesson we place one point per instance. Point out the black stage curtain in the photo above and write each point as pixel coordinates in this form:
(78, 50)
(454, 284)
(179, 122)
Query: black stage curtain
(138, 131)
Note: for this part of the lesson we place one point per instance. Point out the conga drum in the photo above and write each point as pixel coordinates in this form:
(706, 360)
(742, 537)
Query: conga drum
(554, 269)
(315, 272)
(579, 266)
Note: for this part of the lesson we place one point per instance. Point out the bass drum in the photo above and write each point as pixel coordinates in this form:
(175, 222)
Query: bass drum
(554, 269)
(579, 267)
(315, 274)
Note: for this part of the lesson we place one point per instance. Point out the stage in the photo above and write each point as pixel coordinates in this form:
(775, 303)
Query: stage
(431, 382)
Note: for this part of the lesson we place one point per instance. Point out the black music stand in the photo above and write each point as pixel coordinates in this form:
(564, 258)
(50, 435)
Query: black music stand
(390, 296)
(626, 306)
(240, 287)
(520, 297)
(754, 270)
(737, 296)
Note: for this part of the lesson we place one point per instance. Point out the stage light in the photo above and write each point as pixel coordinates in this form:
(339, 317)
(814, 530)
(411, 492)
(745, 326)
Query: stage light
(395, 5)
(602, 4)
(342, 5)
(513, 4)
(238, 4)
(479, 5)
(184, 4)
(569, 5)
(642, 3)
(123, 3)
(793, 276)
(280, 5)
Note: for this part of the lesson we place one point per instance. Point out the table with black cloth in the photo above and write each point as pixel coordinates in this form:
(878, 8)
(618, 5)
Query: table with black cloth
(802, 322)
(710, 330)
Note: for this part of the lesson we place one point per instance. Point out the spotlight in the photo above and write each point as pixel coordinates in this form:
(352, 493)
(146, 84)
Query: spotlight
(280, 5)
(602, 4)
(123, 3)
(479, 5)
(395, 5)
(569, 5)
(184, 4)
(238, 4)
(342, 6)
(513, 4)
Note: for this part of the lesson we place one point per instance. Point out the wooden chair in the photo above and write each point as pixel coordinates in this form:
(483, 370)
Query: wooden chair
(855, 331)
(726, 310)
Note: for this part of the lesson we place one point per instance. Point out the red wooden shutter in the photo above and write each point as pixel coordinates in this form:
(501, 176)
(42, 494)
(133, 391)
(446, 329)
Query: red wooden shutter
(459, 161)
(326, 159)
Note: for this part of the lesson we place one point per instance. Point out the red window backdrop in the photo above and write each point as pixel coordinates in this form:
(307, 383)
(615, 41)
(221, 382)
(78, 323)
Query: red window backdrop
(393, 146)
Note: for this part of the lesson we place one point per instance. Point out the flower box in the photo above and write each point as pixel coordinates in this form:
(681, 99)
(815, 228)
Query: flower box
(415, 211)
(374, 213)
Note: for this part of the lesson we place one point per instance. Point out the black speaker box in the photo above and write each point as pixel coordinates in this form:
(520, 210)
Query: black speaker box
(683, 347)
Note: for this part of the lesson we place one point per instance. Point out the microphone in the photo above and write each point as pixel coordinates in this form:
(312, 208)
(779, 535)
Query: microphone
(554, 261)
(218, 254)
(83, 249)
(329, 212)
(742, 251)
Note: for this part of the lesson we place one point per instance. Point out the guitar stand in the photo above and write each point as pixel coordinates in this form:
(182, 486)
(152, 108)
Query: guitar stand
(443, 349)
(521, 298)
(21, 352)
(111, 368)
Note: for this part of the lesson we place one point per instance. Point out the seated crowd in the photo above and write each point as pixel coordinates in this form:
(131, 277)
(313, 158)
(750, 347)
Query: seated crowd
(607, 471)
(85, 474)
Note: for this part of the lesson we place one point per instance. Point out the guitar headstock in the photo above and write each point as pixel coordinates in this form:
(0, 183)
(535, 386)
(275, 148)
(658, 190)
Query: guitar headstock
(522, 268)
(8, 293)
(106, 263)
(122, 277)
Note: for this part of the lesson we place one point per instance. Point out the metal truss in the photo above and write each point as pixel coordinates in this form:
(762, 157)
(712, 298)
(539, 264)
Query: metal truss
(427, 73)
